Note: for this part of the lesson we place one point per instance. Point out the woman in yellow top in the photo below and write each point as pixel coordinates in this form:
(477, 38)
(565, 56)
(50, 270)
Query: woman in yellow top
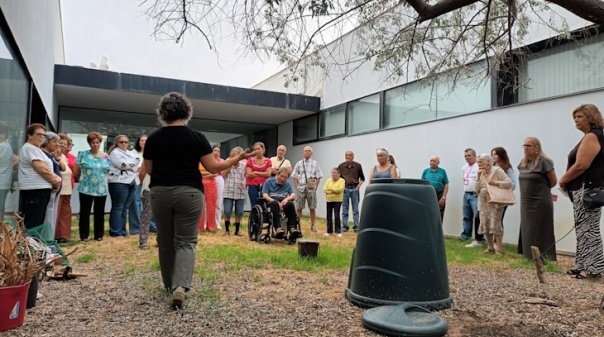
(334, 194)
(207, 222)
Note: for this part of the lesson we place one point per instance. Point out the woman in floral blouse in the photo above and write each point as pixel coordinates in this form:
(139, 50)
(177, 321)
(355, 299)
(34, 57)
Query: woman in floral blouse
(91, 169)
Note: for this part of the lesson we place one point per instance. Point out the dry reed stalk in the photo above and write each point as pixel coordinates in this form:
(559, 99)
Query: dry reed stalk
(18, 264)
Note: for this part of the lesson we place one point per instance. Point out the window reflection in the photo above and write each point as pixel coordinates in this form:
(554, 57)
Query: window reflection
(14, 93)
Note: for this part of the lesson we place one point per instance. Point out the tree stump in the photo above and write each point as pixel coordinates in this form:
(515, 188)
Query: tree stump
(538, 263)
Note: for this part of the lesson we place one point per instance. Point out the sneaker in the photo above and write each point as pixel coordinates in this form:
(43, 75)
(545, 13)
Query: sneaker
(326, 234)
(474, 244)
(178, 298)
(356, 230)
(339, 235)
(313, 228)
(345, 229)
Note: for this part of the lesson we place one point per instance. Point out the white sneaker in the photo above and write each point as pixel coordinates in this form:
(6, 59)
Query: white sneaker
(326, 234)
(474, 244)
(339, 235)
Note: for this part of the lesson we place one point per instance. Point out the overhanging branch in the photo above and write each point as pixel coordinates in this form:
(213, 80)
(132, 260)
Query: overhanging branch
(428, 12)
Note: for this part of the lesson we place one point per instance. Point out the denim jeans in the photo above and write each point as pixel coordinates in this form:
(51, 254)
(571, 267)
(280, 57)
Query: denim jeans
(252, 192)
(121, 198)
(134, 211)
(352, 194)
(470, 217)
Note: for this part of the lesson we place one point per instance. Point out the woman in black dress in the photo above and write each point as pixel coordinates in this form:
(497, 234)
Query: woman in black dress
(536, 177)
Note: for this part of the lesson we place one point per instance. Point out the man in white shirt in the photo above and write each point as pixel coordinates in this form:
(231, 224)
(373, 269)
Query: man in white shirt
(470, 200)
(279, 160)
(307, 175)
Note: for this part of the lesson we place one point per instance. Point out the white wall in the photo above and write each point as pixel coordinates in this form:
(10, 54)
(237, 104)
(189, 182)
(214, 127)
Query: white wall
(36, 27)
(549, 120)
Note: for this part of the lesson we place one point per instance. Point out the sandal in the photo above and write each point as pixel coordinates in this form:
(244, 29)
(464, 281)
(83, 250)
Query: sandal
(583, 275)
(573, 272)
(489, 251)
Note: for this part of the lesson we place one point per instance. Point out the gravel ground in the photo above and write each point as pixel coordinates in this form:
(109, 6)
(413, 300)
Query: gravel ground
(119, 300)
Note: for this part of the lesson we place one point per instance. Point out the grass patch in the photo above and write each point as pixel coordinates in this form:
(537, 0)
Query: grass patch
(86, 257)
(226, 257)
(130, 269)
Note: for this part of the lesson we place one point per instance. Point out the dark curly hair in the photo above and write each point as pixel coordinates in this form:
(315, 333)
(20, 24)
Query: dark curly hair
(172, 107)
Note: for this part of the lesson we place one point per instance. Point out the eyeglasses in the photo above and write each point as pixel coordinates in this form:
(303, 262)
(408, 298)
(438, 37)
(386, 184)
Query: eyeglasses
(40, 134)
(123, 142)
(527, 145)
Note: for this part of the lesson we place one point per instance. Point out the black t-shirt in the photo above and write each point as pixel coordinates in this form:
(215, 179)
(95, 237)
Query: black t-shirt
(175, 152)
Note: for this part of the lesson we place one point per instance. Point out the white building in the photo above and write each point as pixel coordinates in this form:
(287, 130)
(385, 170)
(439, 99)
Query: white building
(363, 113)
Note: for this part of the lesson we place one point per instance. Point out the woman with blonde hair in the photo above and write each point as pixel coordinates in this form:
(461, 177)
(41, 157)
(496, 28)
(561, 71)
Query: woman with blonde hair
(536, 177)
(585, 171)
(490, 213)
(122, 180)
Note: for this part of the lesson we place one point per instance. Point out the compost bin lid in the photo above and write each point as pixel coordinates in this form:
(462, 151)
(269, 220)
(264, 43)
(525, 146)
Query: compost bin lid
(405, 319)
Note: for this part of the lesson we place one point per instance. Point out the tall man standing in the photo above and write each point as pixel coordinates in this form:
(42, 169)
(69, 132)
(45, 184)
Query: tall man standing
(470, 207)
(279, 160)
(352, 172)
(307, 175)
(439, 180)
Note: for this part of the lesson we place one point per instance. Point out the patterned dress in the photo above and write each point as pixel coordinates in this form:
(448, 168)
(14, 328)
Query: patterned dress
(491, 214)
(93, 180)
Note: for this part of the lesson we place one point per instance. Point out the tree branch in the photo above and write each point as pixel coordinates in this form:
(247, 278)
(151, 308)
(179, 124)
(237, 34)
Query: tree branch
(590, 10)
(428, 12)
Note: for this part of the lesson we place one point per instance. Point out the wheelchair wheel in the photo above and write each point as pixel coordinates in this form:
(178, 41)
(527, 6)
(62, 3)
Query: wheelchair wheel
(254, 228)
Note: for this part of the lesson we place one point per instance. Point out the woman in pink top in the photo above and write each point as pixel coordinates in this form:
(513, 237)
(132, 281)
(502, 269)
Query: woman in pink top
(257, 170)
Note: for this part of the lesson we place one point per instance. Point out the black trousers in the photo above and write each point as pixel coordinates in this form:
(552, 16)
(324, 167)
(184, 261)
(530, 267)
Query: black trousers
(290, 212)
(86, 202)
(33, 206)
(333, 207)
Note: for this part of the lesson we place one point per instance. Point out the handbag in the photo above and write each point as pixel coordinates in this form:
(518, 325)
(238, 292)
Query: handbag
(501, 196)
(592, 198)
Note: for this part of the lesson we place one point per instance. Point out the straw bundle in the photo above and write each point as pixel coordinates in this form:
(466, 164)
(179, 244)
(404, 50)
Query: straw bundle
(18, 263)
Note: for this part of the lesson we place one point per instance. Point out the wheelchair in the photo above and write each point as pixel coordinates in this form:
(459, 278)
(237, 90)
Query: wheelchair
(261, 225)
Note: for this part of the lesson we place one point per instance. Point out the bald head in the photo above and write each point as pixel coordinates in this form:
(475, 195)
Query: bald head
(434, 162)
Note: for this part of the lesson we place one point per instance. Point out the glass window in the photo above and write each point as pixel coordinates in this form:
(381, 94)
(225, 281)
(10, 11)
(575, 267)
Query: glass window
(333, 122)
(305, 129)
(470, 94)
(14, 97)
(409, 104)
(364, 114)
(568, 68)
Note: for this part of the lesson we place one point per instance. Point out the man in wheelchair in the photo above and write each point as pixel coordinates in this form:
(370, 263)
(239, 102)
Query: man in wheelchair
(279, 196)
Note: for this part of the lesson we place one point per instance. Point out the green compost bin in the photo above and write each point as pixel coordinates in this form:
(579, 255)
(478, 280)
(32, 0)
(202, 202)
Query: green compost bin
(400, 252)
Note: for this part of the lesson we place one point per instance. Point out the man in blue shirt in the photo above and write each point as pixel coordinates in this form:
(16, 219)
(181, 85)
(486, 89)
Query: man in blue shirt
(439, 180)
(279, 195)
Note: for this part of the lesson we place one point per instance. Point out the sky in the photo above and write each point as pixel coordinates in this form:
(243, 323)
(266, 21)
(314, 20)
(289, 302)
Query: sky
(119, 30)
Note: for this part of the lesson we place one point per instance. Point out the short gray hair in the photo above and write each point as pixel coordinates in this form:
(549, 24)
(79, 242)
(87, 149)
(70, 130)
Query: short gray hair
(382, 150)
(485, 157)
(50, 136)
(284, 168)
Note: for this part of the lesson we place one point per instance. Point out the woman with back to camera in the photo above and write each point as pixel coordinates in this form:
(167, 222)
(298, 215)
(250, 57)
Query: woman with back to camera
(585, 171)
(91, 171)
(536, 177)
(172, 155)
(384, 169)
